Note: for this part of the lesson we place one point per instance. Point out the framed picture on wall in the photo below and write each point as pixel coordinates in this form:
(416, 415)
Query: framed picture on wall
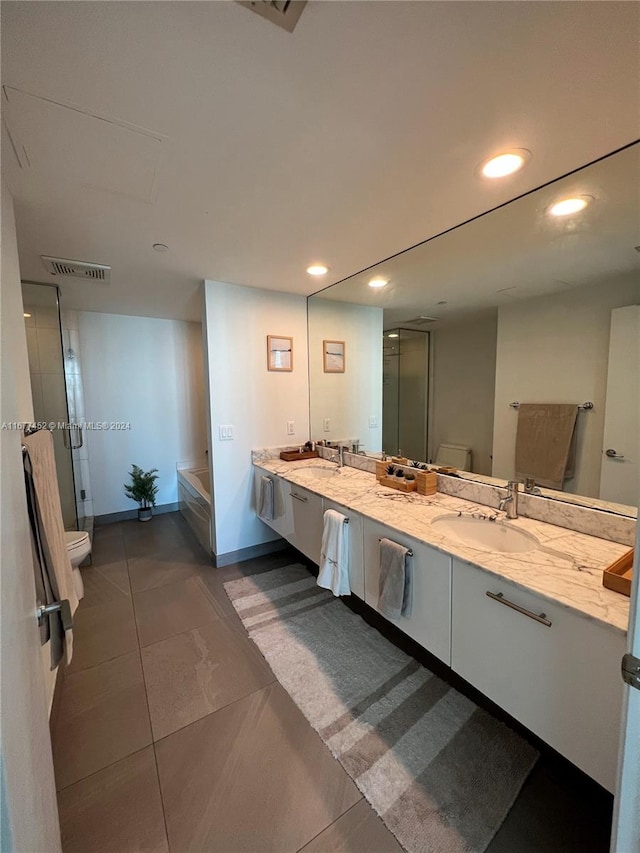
(279, 353)
(333, 355)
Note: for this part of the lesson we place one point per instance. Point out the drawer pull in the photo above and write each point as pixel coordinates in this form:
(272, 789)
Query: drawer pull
(299, 497)
(539, 617)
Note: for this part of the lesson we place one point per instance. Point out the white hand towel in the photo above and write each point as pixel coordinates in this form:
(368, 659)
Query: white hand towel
(266, 499)
(395, 580)
(334, 560)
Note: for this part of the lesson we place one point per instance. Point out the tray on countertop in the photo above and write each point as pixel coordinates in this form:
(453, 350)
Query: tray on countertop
(296, 456)
(618, 575)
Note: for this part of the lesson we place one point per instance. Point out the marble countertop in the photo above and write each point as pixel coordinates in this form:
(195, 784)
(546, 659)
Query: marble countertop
(566, 569)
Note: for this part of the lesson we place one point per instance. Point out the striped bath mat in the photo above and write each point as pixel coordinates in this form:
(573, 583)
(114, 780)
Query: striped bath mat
(441, 772)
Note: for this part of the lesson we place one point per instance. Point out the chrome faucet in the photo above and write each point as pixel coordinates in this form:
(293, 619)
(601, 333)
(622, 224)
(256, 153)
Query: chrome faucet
(511, 500)
(530, 487)
(340, 451)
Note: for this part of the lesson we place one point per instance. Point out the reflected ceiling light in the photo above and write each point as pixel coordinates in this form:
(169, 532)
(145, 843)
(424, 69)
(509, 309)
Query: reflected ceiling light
(26, 315)
(161, 247)
(393, 335)
(567, 206)
(317, 269)
(378, 282)
(506, 163)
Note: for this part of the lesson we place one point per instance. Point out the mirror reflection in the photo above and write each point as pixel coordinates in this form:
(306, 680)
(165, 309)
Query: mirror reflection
(483, 344)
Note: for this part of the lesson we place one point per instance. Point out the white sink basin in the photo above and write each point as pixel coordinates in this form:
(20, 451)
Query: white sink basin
(318, 473)
(486, 534)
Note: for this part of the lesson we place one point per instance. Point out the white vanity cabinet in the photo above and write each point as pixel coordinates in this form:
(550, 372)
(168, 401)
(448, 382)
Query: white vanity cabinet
(306, 509)
(356, 558)
(430, 621)
(561, 680)
(282, 521)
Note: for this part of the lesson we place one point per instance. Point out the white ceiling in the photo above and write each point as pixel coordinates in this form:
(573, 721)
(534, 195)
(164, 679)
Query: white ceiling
(346, 141)
(517, 252)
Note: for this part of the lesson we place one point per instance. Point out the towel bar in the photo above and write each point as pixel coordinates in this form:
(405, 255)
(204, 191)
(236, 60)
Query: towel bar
(585, 406)
(409, 551)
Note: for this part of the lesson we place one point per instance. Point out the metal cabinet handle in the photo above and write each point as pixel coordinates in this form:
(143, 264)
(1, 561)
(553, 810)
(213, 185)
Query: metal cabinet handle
(299, 497)
(612, 454)
(538, 617)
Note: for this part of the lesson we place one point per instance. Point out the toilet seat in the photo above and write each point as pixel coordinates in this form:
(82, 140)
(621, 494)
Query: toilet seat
(76, 539)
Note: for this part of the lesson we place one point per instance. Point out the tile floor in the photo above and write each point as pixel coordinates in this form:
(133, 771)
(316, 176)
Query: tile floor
(170, 732)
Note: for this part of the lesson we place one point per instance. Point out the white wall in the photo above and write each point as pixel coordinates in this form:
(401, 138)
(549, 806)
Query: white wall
(148, 372)
(29, 810)
(463, 388)
(348, 399)
(257, 402)
(555, 350)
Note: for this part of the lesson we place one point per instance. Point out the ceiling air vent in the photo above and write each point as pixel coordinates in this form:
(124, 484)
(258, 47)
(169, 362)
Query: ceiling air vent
(77, 269)
(283, 13)
(422, 320)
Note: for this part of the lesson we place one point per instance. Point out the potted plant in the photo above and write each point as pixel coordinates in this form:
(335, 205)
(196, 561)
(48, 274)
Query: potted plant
(143, 490)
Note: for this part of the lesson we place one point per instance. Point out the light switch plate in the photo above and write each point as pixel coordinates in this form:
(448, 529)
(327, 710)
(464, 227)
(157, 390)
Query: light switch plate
(225, 432)
(326, 425)
(291, 428)
(373, 422)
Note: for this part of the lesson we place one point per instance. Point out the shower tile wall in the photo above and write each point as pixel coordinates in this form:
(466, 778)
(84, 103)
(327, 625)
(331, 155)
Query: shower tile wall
(48, 389)
(75, 399)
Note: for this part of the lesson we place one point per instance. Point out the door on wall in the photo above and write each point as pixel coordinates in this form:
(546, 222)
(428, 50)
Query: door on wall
(620, 470)
(625, 835)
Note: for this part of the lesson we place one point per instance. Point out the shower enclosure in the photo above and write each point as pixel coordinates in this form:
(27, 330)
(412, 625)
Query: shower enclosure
(405, 392)
(56, 388)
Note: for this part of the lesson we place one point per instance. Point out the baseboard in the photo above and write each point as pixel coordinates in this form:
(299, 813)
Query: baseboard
(221, 560)
(128, 514)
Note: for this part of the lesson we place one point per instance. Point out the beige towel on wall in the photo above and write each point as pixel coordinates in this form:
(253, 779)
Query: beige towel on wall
(50, 548)
(545, 442)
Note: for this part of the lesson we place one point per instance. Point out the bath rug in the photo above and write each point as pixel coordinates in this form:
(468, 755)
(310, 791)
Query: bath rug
(441, 772)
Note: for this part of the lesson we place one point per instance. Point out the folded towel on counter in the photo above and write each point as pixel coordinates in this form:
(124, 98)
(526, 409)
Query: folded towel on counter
(546, 443)
(266, 499)
(395, 580)
(334, 558)
(52, 566)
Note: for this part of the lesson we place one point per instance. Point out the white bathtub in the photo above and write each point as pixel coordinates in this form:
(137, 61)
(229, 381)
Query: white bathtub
(194, 499)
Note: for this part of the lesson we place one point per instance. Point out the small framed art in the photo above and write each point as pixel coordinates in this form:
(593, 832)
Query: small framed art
(279, 353)
(333, 356)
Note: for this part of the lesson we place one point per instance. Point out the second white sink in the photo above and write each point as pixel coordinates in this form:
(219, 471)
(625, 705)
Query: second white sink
(486, 534)
(316, 473)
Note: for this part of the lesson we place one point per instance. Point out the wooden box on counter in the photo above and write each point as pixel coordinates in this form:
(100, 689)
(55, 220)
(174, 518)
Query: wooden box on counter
(426, 482)
(618, 575)
(296, 456)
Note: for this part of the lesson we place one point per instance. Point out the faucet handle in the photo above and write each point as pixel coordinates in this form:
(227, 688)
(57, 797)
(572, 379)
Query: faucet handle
(513, 484)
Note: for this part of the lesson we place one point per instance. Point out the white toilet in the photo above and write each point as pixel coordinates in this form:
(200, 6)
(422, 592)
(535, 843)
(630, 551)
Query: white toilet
(78, 547)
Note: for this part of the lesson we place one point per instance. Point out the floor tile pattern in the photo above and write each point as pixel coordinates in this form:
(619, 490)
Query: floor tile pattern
(171, 734)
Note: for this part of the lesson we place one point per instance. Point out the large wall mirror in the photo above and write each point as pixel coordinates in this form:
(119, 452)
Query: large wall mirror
(464, 332)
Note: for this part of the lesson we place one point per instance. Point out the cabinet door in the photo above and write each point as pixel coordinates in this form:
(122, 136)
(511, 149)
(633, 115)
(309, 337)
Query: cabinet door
(561, 681)
(306, 508)
(430, 620)
(282, 521)
(356, 559)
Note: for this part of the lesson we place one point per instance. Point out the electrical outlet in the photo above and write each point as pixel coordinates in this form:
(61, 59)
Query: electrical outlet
(291, 428)
(326, 425)
(373, 422)
(225, 432)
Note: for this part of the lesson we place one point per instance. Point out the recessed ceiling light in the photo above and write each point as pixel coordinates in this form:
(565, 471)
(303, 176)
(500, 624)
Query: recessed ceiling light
(393, 335)
(505, 164)
(26, 315)
(567, 206)
(161, 247)
(378, 282)
(317, 269)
